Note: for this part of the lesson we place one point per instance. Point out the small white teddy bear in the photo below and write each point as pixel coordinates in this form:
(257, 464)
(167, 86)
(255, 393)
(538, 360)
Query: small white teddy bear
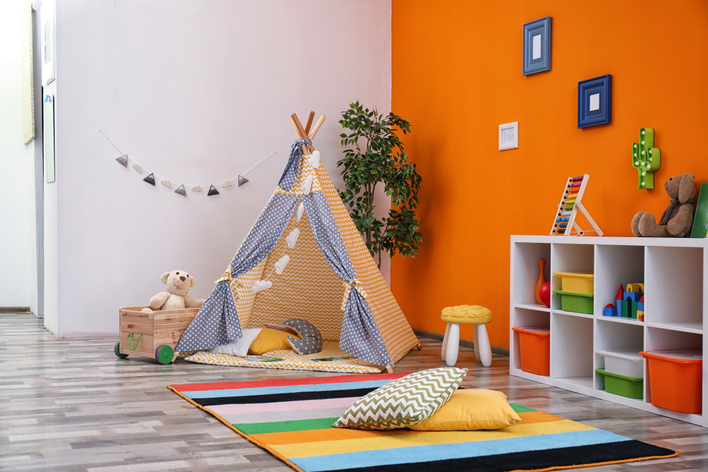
(177, 283)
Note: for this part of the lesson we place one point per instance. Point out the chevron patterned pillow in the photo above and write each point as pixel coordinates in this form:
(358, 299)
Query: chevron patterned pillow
(403, 402)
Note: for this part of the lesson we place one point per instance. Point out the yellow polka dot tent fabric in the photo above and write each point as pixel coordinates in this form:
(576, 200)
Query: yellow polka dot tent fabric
(304, 258)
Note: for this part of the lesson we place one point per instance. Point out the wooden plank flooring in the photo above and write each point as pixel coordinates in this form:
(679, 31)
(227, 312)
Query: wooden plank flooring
(72, 405)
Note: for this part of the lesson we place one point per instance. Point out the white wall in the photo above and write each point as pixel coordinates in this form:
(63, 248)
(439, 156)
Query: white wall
(18, 262)
(196, 91)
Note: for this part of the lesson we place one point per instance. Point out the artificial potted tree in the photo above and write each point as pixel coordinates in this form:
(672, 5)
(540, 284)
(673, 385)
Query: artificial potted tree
(373, 155)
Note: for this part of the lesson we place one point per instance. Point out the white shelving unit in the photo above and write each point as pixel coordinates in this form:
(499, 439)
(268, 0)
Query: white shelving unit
(673, 271)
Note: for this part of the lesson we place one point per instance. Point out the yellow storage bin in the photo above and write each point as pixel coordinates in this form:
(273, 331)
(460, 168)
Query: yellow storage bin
(577, 282)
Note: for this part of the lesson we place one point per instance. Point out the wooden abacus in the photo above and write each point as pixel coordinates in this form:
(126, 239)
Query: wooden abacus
(564, 222)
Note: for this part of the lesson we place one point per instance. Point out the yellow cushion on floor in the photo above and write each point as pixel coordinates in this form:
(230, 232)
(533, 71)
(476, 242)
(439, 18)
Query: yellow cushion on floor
(471, 410)
(269, 340)
(466, 314)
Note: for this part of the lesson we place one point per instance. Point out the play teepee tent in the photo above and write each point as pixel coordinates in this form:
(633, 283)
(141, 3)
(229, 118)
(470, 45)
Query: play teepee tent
(304, 258)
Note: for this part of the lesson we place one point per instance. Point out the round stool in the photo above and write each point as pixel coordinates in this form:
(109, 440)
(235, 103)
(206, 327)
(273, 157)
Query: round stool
(476, 315)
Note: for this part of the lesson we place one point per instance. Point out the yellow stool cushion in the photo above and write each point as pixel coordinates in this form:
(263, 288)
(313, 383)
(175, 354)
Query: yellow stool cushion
(466, 314)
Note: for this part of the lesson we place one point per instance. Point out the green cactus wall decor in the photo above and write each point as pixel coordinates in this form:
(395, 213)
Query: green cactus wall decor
(646, 158)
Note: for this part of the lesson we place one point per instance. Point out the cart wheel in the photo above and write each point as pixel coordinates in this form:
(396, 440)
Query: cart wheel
(164, 354)
(116, 350)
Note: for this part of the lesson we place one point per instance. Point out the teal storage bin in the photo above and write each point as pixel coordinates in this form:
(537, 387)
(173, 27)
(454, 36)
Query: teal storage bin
(630, 387)
(575, 302)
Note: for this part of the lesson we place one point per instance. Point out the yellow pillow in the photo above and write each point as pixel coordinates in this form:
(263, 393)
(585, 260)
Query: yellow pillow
(470, 410)
(269, 340)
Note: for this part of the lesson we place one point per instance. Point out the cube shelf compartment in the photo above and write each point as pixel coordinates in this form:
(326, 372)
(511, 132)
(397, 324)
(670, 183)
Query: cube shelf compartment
(673, 271)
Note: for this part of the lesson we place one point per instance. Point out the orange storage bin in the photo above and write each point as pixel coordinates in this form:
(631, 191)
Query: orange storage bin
(675, 380)
(535, 349)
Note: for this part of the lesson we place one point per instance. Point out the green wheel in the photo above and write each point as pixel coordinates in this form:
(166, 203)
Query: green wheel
(116, 350)
(164, 354)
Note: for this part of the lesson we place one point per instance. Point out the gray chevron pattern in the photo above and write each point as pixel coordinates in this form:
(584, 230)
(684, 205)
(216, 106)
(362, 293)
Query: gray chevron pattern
(403, 402)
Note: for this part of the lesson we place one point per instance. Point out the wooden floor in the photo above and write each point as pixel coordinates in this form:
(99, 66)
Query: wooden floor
(72, 405)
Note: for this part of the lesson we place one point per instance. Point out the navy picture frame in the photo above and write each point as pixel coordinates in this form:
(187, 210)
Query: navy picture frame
(595, 101)
(537, 46)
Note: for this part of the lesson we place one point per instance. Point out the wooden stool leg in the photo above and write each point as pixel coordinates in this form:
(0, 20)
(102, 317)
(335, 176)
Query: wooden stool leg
(481, 345)
(444, 346)
(475, 332)
(453, 344)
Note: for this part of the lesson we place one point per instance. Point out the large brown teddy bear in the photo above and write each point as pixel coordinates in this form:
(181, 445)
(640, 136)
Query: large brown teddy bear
(677, 219)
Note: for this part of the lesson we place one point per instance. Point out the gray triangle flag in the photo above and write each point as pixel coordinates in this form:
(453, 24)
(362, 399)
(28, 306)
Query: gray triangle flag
(181, 190)
(212, 191)
(123, 160)
(150, 179)
(242, 180)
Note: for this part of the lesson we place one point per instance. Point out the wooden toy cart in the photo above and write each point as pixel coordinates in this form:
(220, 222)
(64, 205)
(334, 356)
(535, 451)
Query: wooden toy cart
(154, 335)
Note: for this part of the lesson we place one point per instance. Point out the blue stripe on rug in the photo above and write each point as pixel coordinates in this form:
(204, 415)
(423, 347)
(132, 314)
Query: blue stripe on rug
(415, 454)
(260, 391)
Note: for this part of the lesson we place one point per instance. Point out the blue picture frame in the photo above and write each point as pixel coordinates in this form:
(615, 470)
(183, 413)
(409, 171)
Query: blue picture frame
(537, 46)
(595, 101)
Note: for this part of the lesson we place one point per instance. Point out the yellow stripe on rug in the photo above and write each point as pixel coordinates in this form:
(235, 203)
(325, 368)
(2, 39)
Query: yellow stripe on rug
(389, 441)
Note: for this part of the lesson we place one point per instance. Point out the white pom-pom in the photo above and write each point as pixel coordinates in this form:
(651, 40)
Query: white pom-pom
(259, 285)
(280, 265)
(315, 159)
(307, 186)
(292, 237)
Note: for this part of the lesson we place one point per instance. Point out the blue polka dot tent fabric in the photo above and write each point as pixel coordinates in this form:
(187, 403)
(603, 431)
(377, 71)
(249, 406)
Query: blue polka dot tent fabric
(304, 258)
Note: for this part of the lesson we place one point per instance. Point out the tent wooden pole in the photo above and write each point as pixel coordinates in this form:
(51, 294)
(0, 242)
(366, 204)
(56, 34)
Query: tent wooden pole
(300, 131)
(298, 126)
(309, 122)
(316, 128)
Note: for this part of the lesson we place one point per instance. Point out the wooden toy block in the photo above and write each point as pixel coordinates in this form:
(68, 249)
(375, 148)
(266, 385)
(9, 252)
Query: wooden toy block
(623, 309)
(609, 310)
(634, 296)
(638, 287)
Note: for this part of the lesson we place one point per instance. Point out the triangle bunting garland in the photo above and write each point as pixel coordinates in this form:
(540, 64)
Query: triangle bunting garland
(152, 179)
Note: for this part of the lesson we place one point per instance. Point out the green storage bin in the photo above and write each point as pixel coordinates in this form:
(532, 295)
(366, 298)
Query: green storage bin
(575, 302)
(630, 387)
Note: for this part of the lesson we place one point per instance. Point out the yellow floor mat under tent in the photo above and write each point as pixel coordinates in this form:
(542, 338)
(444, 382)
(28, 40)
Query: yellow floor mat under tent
(291, 360)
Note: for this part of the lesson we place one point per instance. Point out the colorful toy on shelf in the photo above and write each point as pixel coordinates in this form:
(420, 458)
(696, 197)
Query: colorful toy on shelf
(541, 280)
(646, 158)
(545, 294)
(564, 222)
(640, 309)
(629, 302)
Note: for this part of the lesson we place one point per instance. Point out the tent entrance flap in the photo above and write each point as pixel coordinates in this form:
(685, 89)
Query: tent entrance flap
(308, 288)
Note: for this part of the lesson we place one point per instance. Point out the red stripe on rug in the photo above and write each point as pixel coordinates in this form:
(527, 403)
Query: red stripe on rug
(287, 382)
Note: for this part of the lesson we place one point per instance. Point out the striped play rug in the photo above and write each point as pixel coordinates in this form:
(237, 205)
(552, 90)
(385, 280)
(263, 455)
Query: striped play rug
(292, 419)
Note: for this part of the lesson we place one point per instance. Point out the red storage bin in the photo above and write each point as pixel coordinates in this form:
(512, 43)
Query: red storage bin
(675, 380)
(535, 349)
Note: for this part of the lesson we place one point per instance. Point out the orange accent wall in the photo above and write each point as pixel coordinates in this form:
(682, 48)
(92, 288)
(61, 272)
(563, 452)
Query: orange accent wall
(457, 76)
